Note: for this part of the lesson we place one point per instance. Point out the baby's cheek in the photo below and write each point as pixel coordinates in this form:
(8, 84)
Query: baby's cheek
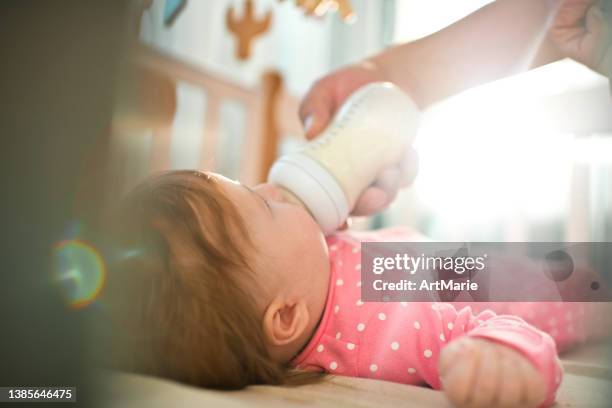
(304, 219)
(302, 239)
(304, 230)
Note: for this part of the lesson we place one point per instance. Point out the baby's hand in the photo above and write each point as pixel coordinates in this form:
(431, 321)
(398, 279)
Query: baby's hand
(482, 373)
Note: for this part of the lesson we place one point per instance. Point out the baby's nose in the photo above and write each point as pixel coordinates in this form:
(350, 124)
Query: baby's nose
(270, 192)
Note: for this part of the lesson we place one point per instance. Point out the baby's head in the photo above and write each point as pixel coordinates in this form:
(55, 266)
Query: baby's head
(212, 283)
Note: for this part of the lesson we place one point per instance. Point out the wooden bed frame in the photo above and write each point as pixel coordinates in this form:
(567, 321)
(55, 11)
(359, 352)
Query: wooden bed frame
(270, 111)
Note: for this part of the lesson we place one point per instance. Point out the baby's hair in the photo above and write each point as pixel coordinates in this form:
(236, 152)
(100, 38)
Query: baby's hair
(180, 290)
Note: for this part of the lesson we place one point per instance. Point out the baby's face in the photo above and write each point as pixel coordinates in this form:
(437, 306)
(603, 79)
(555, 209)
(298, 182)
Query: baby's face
(291, 249)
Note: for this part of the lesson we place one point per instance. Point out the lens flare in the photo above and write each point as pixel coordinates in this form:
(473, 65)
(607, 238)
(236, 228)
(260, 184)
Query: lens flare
(79, 270)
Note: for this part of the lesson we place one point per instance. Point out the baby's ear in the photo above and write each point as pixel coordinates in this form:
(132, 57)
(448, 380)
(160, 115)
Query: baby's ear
(284, 322)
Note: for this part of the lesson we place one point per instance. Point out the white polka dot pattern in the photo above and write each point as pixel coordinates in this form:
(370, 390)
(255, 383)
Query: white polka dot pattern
(402, 341)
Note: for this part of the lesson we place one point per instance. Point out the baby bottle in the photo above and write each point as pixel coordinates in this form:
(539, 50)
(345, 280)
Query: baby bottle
(371, 130)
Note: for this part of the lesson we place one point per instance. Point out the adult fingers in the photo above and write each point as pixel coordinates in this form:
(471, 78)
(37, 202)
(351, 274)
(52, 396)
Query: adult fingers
(386, 186)
(389, 180)
(380, 194)
(409, 167)
(316, 108)
(372, 200)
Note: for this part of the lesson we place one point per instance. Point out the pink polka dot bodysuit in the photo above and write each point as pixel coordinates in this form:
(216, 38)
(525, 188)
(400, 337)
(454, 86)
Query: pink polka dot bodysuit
(401, 342)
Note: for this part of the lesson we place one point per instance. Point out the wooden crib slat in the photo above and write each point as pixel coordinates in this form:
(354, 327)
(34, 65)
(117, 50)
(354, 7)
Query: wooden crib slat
(270, 113)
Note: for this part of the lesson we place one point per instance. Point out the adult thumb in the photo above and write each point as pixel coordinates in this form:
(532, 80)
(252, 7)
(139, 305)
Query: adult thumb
(315, 112)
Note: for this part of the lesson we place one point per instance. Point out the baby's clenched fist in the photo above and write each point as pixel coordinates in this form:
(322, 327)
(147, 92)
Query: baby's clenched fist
(482, 373)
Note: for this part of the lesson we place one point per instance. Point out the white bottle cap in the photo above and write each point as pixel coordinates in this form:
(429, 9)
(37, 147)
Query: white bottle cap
(315, 187)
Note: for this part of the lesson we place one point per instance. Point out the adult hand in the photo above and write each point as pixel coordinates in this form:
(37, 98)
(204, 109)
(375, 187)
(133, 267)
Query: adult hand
(329, 92)
(582, 30)
(319, 107)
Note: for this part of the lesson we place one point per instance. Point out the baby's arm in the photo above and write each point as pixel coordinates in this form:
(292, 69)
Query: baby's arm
(568, 323)
(494, 360)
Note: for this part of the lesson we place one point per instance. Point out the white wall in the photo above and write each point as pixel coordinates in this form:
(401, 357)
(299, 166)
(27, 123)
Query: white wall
(302, 48)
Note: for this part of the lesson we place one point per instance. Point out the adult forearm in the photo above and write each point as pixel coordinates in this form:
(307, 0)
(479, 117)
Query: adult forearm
(500, 39)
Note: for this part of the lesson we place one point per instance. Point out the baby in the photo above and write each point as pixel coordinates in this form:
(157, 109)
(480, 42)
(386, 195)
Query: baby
(219, 285)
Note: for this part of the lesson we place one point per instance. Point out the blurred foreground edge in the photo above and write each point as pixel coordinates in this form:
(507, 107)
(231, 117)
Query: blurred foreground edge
(59, 61)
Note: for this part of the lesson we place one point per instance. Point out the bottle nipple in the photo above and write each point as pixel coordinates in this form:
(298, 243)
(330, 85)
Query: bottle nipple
(291, 198)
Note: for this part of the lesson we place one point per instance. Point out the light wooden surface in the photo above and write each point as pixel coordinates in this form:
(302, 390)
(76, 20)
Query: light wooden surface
(587, 383)
(593, 361)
